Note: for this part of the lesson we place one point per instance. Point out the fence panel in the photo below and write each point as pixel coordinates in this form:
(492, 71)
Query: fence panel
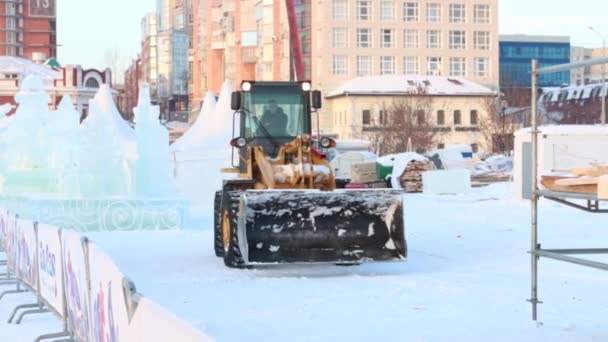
(76, 286)
(49, 266)
(109, 319)
(26, 251)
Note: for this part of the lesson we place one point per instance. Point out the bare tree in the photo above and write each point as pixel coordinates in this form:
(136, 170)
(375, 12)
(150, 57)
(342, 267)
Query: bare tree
(498, 126)
(407, 119)
(117, 62)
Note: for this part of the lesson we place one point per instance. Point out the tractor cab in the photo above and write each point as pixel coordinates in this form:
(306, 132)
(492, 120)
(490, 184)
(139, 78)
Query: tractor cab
(271, 114)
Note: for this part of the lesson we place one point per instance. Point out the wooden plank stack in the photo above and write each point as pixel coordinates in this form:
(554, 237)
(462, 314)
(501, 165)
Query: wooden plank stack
(586, 181)
(411, 179)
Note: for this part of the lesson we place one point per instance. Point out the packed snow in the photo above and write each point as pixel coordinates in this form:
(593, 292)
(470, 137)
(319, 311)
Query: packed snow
(467, 278)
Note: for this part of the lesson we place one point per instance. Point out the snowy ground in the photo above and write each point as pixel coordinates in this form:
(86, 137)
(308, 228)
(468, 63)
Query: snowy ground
(467, 278)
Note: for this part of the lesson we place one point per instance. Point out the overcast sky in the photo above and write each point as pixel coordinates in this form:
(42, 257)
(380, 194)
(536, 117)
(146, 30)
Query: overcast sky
(88, 30)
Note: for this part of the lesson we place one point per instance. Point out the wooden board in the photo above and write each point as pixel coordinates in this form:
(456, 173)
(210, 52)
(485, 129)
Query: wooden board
(577, 181)
(549, 183)
(592, 171)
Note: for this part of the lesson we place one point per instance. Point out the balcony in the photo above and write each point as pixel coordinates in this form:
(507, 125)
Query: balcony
(249, 54)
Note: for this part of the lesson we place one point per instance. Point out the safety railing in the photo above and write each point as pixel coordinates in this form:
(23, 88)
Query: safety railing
(73, 278)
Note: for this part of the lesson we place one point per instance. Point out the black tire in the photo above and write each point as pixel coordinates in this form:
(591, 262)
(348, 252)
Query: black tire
(218, 244)
(230, 210)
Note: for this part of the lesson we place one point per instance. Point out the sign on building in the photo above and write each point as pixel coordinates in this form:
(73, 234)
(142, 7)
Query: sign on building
(42, 8)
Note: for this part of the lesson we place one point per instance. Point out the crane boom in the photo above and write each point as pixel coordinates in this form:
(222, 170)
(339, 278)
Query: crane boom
(294, 40)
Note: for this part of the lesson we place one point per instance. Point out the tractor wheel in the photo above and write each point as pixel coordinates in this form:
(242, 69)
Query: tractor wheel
(229, 227)
(217, 224)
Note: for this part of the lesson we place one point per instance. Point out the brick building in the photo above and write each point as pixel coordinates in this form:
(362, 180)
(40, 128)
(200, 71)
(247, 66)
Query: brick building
(28, 27)
(81, 84)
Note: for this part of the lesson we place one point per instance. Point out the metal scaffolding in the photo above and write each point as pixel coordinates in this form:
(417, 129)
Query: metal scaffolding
(570, 199)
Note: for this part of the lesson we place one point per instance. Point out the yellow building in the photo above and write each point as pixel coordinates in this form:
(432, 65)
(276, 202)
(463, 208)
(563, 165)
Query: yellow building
(455, 107)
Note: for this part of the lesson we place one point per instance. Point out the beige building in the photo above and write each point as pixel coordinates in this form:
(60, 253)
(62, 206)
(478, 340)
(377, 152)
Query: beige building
(456, 106)
(596, 70)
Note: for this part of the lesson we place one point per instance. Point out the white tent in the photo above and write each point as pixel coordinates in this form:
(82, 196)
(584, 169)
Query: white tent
(194, 137)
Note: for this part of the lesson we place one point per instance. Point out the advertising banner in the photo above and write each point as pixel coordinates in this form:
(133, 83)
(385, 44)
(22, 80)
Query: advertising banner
(109, 319)
(49, 266)
(152, 323)
(28, 267)
(3, 229)
(75, 285)
(12, 244)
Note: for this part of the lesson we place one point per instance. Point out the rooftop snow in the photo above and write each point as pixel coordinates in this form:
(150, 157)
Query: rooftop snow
(16, 65)
(407, 84)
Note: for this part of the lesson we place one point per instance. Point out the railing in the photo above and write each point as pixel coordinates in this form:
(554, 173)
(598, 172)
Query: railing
(75, 279)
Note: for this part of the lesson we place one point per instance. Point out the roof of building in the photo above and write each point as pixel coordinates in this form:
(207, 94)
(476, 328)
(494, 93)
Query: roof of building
(22, 66)
(524, 38)
(566, 130)
(408, 84)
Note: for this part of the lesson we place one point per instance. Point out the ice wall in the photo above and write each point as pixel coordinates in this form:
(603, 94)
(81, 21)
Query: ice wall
(104, 161)
(153, 175)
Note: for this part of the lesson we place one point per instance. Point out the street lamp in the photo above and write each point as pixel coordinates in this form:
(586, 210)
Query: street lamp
(603, 73)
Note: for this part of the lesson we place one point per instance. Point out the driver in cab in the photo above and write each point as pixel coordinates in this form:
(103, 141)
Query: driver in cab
(274, 120)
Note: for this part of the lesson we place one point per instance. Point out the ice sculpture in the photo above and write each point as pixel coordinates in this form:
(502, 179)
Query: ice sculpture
(152, 168)
(25, 141)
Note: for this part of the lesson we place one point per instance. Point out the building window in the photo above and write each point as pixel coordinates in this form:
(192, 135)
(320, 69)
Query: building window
(474, 117)
(457, 117)
(481, 14)
(433, 12)
(440, 146)
(381, 115)
(339, 9)
(363, 9)
(410, 39)
(457, 40)
(410, 11)
(480, 67)
(339, 65)
(420, 117)
(481, 40)
(387, 10)
(457, 13)
(366, 116)
(364, 66)
(457, 67)
(410, 65)
(433, 67)
(363, 38)
(339, 38)
(387, 38)
(91, 83)
(387, 65)
(433, 39)
(441, 117)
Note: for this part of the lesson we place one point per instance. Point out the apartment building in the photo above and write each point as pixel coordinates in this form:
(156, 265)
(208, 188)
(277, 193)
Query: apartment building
(149, 53)
(580, 54)
(28, 28)
(355, 38)
(345, 39)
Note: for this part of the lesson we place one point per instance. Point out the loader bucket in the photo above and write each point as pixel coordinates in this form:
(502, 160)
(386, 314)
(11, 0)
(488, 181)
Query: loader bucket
(308, 226)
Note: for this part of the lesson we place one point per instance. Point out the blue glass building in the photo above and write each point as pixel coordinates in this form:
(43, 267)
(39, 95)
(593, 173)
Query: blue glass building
(517, 52)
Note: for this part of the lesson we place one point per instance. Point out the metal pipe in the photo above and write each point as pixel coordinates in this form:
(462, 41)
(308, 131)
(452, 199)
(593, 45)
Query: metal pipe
(569, 66)
(572, 260)
(578, 251)
(534, 237)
